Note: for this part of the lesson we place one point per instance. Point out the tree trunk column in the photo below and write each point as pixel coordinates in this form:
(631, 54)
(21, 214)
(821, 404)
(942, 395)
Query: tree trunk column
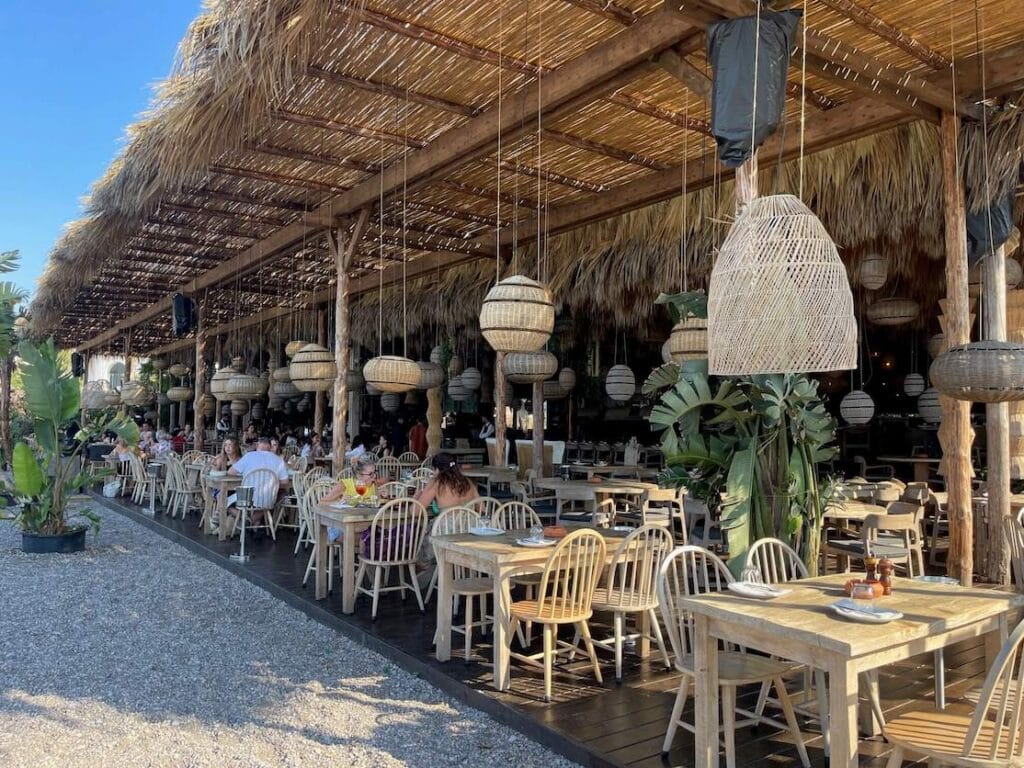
(500, 389)
(538, 428)
(997, 426)
(955, 434)
(198, 424)
(320, 398)
(434, 415)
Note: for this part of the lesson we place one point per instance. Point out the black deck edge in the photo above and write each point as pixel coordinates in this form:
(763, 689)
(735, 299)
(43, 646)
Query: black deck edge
(557, 742)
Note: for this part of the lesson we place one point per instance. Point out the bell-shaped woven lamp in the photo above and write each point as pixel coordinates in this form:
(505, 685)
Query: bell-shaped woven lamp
(292, 348)
(518, 315)
(779, 300)
(567, 379)
(528, 367)
(981, 372)
(219, 383)
(392, 373)
(312, 369)
(471, 378)
(689, 340)
(431, 375)
(873, 271)
(390, 402)
(456, 391)
(620, 383)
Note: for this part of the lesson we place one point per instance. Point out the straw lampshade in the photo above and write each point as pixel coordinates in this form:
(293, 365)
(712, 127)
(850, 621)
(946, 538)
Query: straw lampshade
(528, 367)
(518, 315)
(94, 395)
(779, 300)
(258, 410)
(179, 394)
(431, 375)
(936, 344)
(312, 369)
(239, 407)
(913, 384)
(857, 408)
(135, 393)
(292, 348)
(159, 363)
(354, 380)
(471, 379)
(111, 399)
(456, 391)
(553, 390)
(207, 404)
(873, 271)
(981, 371)
(620, 383)
(928, 406)
(390, 401)
(897, 311)
(178, 370)
(437, 355)
(391, 373)
(282, 385)
(219, 383)
(689, 340)
(567, 379)
(244, 386)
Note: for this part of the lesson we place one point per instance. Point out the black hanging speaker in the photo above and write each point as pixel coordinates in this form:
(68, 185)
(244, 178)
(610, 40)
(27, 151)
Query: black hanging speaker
(183, 315)
(77, 363)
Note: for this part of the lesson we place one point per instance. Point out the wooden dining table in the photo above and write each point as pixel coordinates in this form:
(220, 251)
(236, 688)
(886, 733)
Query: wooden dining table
(502, 558)
(589, 492)
(224, 485)
(632, 471)
(492, 475)
(352, 521)
(842, 511)
(800, 626)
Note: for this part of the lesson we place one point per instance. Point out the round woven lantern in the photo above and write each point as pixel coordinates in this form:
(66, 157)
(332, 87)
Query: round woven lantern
(178, 370)
(282, 386)
(159, 363)
(238, 364)
(456, 391)
(112, 399)
(928, 406)
(913, 384)
(179, 394)
(857, 408)
(553, 390)
(528, 367)
(779, 300)
(390, 401)
(312, 369)
(239, 407)
(517, 315)
(437, 355)
(620, 383)
(567, 379)
(258, 410)
(135, 393)
(689, 340)
(94, 395)
(244, 386)
(981, 371)
(219, 383)
(896, 311)
(873, 271)
(471, 379)
(936, 344)
(292, 348)
(431, 375)
(391, 373)
(455, 366)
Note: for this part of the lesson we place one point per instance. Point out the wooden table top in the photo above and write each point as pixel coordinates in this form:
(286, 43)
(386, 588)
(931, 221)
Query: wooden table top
(223, 480)
(607, 485)
(489, 471)
(331, 513)
(803, 616)
(852, 510)
(503, 548)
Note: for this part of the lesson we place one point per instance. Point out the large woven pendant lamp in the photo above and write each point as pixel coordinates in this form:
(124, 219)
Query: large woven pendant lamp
(857, 408)
(981, 372)
(312, 369)
(779, 300)
(518, 315)
(894, 311)
(529, 367)
(620, 383)
(431, 375)
(873, 271)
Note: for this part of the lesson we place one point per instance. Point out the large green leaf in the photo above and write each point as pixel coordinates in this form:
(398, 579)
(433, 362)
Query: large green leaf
(685, 305)
(28, 475)
(662, 377)
(737, 504)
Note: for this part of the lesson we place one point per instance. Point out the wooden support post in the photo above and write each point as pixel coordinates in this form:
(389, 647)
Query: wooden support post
(198, 423)
(182, 415)
(538, 428)
(344, 246)
(320, 398)
(434, 415)
(746, 183)
(996, 567)
(500, 397)
(956, 434)
(128, 355)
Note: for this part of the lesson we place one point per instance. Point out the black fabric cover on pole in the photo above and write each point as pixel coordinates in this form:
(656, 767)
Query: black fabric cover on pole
(731, 51)
(989, 228)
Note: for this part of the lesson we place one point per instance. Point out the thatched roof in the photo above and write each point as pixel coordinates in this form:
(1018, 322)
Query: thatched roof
(280, 108)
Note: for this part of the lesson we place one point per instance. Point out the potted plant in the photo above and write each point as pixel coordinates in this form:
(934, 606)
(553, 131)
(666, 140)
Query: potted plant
(48, 472)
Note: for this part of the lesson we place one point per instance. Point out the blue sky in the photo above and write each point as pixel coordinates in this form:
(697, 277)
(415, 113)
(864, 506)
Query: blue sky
(75, 74)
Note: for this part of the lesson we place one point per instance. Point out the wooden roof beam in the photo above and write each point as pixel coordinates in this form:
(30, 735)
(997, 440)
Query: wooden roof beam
(377, 87)
(274, 178)
(607, 9)
(234, 197)
(339, 126)
(267, 221)
(200, 228)
(862, 16)
(600, 148)
(312, 157)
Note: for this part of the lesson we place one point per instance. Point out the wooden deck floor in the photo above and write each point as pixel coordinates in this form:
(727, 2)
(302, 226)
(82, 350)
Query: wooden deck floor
(610, 725)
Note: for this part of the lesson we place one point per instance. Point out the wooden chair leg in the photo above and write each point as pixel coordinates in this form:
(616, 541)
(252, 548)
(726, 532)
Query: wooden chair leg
(677, 713)
(419, 598)
(376, 590)
(589, 642)
(895, 758)
(794, 726)
(656, 629)
(549, 658)
(618, 620)
(468, 625)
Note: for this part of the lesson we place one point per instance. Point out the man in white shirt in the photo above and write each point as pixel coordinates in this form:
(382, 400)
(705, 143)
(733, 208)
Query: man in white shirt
(264, 496)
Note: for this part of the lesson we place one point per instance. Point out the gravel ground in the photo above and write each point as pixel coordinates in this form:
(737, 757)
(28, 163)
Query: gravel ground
(138, 653)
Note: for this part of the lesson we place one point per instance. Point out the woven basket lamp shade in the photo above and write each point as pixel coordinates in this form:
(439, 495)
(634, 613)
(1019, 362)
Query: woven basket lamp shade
(456, 391)
(431, 375)
(779, 300)
(567, 379)
(390, 401)
(391, 373)
(312, 369)
(239, 407)
(553, 390)
(893, 311)
(159, 363)
(219, 383)
(178, 370)
(620, 383)
(857, 408)
(518, 315)
(928, 406)
(112, 399)
(935, 345)
(94, 395)
(437, 355)
(135, 393)
(258, 410)
(354, 380)
(471, 379)
(689, 340)
(981, 372)
(292, 348)
(873, 271)
(913, 384)
(179, 394)
(528, 367)
(244, 386)
(282, 385)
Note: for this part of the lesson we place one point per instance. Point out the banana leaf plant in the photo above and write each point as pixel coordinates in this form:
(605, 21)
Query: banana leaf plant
(748, 447)
(46, 474)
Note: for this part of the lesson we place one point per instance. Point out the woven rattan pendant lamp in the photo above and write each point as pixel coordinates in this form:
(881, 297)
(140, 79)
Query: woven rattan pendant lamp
(873, 271)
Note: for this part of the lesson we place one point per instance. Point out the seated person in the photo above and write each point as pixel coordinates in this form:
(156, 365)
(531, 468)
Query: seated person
(261, 458)
(121, 451)
(178, 441)
(365, 475)
(448, 487)
(161, 445)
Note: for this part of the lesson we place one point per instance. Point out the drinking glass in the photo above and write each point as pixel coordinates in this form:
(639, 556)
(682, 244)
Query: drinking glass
(537, 533)
(751, 574)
